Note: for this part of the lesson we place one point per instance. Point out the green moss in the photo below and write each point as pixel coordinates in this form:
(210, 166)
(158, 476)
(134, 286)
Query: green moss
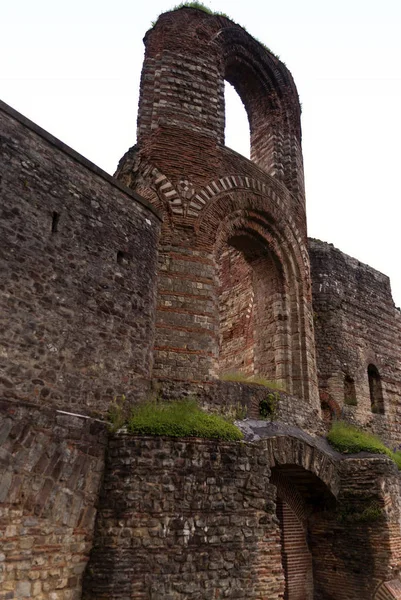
(180, 419)
(268, 406)
(349, 439)
(239, 377)
(352, 513)
(396, 456)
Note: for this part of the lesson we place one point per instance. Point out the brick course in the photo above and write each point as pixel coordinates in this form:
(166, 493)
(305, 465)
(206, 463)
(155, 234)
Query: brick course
(51, 467)
(357, 327)
(77, 274)
(212, 197)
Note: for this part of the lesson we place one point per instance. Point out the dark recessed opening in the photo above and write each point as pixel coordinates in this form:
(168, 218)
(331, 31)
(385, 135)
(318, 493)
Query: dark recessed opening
(55, 221)
(349, 391)
(122, 257)
(375, 390)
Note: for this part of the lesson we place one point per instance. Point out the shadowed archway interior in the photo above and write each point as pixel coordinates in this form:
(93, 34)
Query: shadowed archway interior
(253, 318)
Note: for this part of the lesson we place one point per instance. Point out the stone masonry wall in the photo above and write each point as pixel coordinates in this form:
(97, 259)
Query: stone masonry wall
(185, 518)
(77, 275)
(356, 325)
(51, 467)
(357, 547)
(245, 400)
(188, 517)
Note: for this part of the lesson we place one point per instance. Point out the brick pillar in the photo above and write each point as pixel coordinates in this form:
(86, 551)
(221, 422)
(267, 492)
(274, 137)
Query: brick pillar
(210, 195)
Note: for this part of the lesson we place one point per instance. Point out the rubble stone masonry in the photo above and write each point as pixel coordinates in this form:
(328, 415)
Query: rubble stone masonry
(77, 275)
(358, 338)
(192, 263)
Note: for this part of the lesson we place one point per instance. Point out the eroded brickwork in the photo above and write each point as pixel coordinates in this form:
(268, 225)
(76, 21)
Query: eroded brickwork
(195, 517)
(356, 548)
(77, 274)
(216, 203)
(51, 466)
(278, 517)
(358, 340)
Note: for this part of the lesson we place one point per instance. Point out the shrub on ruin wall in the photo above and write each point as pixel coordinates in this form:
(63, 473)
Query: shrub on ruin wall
(349, 439)
(180, 419)
(238, 377)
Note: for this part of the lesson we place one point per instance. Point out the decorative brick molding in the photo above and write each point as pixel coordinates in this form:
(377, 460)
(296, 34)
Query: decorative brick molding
(389, 590)
(211, 196)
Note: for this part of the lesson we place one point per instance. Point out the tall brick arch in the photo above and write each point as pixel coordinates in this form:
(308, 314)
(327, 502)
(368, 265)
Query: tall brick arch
(221, 208)
(189, 55)
(308, 483)
(258, 247)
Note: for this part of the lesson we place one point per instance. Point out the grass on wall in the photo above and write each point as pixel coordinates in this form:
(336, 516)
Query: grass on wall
(239, 377)
(181, 418)
(209, 11)
(348, 439)
(199, 6)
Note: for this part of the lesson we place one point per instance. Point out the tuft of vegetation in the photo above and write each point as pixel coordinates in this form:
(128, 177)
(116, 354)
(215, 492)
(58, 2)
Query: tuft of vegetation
(239, 377)
(116, 413)
(349, 439)
(351, 401)
(197, 5)
(268, 406)
(351, 513)
(182, 418)
(209, 11)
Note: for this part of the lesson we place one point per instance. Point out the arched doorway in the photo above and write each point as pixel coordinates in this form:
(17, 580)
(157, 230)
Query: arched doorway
(258, 290)
(300, 495)
(253, 336)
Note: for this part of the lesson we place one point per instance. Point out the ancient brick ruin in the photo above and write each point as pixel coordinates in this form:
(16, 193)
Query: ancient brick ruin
(191, 263)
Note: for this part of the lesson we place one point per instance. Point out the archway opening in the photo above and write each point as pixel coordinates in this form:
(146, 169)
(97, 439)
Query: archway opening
(301, 496)
(237, 132)
(253, 322)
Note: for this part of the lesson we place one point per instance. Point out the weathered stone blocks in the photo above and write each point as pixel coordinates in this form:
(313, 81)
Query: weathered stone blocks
(51, 466)
(77, 274)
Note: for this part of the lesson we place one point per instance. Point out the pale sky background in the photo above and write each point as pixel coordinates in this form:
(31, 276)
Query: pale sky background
(73, 67)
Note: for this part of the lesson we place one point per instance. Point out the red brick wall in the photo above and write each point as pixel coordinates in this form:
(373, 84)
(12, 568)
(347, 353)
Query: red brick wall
(51, 470)
(236, 313)
(210, 195)
(296, 556)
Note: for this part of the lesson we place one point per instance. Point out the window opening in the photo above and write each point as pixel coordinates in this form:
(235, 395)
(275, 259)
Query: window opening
(236, 133)
(375, 390)
(55, 221)
(349, 391)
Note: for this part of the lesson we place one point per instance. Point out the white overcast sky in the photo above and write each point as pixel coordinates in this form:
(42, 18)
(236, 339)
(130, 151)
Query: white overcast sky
(73, 67)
